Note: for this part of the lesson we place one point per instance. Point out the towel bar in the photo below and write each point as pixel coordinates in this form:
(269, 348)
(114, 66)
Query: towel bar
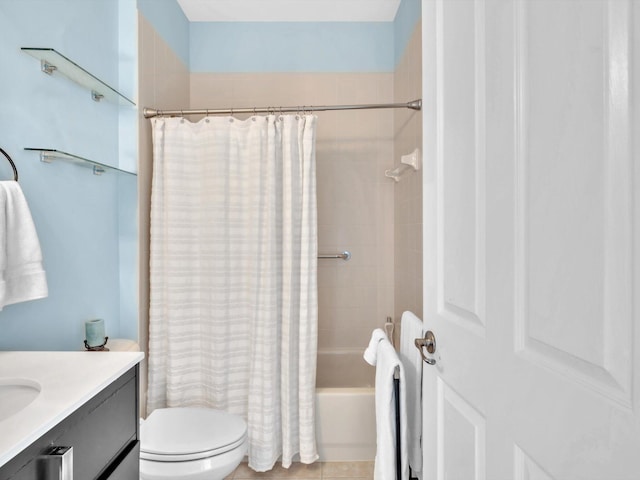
(344, 255)
(13, 165)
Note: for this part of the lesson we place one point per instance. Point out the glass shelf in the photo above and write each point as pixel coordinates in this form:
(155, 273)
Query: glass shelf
(47, 155)
(52, 61)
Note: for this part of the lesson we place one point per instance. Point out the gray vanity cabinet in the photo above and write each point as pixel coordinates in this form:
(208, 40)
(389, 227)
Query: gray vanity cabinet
(103, 433)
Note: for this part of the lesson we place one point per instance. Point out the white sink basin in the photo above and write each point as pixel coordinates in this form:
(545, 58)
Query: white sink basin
(16, 394)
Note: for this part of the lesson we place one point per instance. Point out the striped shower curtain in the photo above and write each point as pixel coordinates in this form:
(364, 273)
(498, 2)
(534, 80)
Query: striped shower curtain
(233, 313)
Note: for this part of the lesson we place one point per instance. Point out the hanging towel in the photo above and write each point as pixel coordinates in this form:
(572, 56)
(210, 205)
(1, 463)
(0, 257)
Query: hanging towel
(410, 329)
(371, 351)
(22, 276)
(386, 361)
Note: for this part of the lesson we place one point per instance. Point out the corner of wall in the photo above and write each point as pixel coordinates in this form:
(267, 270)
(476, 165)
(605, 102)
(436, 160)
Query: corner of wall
(407, 17)
(408, 192)
(172, 25)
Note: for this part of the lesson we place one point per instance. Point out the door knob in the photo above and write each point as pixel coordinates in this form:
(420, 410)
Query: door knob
(428, 342)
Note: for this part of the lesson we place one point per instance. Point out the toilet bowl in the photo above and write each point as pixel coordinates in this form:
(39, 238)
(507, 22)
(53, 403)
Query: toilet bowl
(191, 444)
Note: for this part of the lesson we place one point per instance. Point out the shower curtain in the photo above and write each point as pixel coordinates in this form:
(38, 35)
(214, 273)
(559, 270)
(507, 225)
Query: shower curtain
(233, 301)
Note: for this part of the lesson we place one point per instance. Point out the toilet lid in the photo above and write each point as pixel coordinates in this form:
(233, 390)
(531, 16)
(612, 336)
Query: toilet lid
(191, 430)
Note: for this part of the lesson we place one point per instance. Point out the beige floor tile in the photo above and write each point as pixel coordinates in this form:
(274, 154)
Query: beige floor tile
(244, 472)
(289, 478)
(299, 470)
(318, 471)
(347, 470)
(295, 472)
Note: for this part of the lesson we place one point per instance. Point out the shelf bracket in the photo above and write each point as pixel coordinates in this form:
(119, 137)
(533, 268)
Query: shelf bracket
(48, 155)
(53, 61)
(47, 68)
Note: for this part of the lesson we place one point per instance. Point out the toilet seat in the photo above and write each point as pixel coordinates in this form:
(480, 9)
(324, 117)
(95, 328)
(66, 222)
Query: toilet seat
(163, 457)
(190, 433)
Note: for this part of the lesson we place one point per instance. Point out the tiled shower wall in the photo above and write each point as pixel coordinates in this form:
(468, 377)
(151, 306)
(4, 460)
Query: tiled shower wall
(408, 192)
(355, 199)
(163, 83)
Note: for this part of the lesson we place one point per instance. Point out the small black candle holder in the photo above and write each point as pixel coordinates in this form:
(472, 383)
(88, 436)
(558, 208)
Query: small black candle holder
(97, 348)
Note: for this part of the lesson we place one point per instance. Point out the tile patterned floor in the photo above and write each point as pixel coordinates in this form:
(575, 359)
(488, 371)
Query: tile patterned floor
(317, 471)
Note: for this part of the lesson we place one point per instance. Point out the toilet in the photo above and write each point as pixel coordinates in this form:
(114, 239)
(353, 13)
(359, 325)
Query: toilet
(190, 443)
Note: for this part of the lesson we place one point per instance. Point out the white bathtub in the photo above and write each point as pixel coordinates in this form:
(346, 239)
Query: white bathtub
(345, 408)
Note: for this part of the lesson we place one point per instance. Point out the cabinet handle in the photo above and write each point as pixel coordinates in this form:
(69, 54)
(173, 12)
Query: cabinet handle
(56, 464)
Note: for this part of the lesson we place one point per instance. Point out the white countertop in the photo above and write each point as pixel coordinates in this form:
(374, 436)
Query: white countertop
(67, 380)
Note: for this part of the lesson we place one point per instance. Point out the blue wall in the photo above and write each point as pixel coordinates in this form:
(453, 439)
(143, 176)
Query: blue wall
(292, 47)
(407, 17)
(169, 20)
(87, 224)
(284, 46)
(85, 229)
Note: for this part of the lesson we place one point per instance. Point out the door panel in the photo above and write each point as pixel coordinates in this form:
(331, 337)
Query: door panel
(462, 438)
(531, 120)
(573, 166)
(461, 256)
(527, 469)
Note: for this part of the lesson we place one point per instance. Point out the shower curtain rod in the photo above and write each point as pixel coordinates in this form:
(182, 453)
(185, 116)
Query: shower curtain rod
(150, 112)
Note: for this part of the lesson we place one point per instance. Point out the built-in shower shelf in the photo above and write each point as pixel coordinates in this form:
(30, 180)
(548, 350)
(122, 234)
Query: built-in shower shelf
(48, 155)
(53, 61)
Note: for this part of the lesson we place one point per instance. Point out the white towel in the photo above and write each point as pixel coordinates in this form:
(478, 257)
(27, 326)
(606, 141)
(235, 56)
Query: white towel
(372, 350)
(386, 361)
(410, 329)
(22, 276)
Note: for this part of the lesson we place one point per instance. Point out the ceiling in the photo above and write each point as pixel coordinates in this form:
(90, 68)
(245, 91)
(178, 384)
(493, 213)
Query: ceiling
(290, 10)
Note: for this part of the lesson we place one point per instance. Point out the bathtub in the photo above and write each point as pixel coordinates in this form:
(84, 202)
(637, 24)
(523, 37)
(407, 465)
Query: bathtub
(345, 408)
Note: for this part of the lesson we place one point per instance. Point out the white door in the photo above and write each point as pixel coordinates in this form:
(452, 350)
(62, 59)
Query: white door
(532, 239)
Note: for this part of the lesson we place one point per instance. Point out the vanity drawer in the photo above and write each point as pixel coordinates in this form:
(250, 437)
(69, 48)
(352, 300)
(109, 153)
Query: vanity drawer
(100, 432)
(127, 466)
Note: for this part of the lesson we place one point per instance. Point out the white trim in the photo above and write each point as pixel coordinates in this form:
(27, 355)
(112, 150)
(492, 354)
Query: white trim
(290, 10)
